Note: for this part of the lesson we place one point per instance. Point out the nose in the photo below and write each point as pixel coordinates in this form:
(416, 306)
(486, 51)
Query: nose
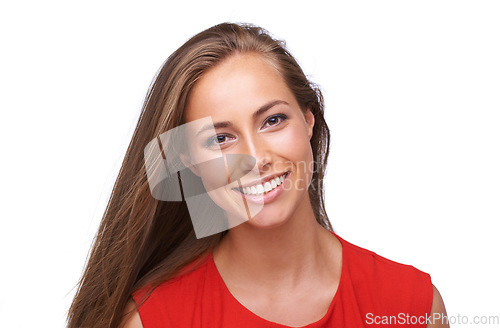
(259, 148)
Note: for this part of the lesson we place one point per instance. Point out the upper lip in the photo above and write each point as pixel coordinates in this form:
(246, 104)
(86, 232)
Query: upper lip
(264, 179)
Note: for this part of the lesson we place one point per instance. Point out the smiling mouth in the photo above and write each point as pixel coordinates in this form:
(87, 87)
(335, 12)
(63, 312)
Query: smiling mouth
(263, 188)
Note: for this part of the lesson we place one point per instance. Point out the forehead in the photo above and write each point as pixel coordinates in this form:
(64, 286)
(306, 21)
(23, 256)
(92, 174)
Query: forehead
(239, 84)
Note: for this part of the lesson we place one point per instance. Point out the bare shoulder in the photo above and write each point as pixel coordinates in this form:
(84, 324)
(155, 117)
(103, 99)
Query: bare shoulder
(131, 318)
(438, 311)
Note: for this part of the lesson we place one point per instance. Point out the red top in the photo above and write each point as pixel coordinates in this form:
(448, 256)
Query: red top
(373, 291)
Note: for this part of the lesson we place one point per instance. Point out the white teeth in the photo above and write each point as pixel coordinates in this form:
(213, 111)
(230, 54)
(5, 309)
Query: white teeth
(259, 189)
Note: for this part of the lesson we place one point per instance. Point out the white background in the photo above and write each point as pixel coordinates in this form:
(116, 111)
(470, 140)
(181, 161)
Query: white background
(412, 93)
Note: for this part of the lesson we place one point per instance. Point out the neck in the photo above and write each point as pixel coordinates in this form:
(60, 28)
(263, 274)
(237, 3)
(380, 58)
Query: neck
(280, 255)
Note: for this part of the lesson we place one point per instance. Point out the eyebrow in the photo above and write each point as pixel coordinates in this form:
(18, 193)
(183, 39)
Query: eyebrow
(224, 124)
(267, 106)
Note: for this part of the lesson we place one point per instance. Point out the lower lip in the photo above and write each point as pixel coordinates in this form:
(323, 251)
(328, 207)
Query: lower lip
(266, 197)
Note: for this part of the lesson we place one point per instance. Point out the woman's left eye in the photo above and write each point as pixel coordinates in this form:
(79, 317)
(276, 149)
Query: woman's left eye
(275, 120)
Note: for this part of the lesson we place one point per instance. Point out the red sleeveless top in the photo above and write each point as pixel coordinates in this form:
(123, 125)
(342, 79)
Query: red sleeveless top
(373, 291)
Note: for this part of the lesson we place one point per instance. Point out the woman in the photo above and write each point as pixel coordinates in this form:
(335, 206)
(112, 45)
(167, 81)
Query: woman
(274, 261)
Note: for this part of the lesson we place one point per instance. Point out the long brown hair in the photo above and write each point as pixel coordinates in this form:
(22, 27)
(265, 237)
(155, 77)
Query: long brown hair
(142, 241)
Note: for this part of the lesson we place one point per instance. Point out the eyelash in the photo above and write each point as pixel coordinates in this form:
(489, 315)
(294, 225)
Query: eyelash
(282, 118)
(211, 141)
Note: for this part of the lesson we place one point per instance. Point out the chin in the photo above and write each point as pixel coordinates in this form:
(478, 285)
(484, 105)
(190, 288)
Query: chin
(268, 220)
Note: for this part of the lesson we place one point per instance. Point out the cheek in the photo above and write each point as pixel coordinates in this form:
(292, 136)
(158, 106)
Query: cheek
(294, 147)
(295, 144)
(213, 173)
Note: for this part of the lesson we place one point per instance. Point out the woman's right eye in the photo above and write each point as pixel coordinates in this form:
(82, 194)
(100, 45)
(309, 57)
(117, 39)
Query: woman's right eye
(217, 140)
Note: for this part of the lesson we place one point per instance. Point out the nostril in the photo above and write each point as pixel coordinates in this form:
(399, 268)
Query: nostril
(266, 168)
(265, 163)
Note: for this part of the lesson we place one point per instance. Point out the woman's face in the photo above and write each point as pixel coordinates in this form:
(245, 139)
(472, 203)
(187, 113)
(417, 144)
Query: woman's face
(253, 113)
